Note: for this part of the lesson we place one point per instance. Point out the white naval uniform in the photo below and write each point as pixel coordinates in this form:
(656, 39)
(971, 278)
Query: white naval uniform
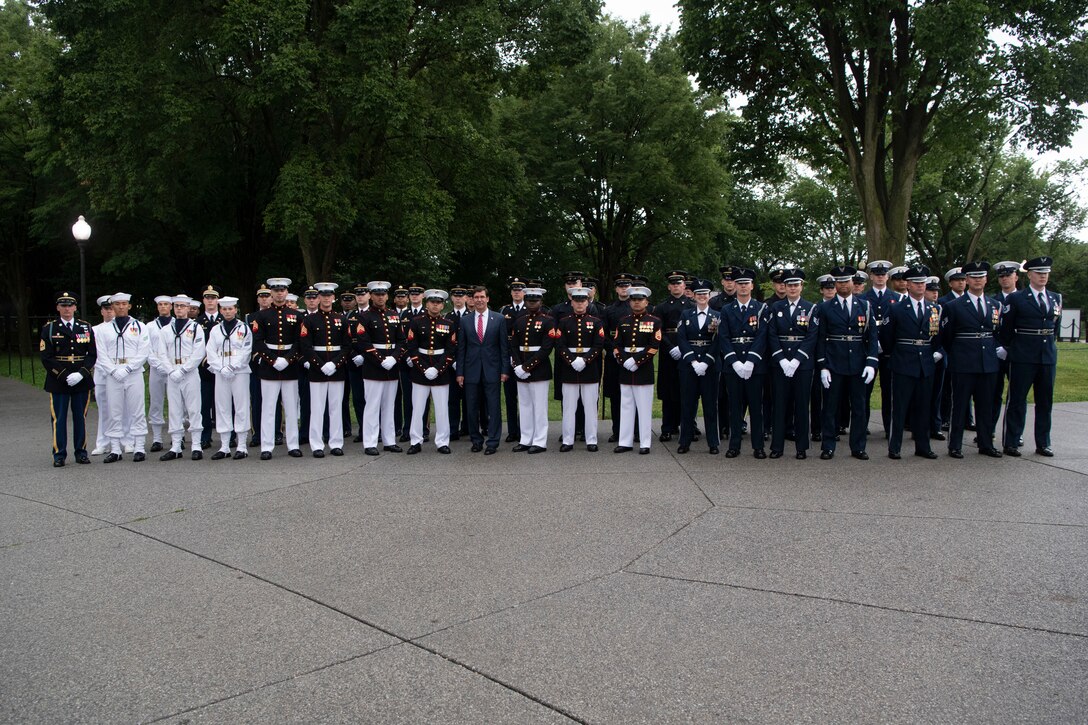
(182, 351)
(127, 349)
(533, 412)
(156, 385)
(228, 359)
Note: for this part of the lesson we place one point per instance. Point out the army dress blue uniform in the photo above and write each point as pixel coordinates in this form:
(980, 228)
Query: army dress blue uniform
(610, 387)
(968, 338)
(68, 350)
(791, 337)
(911, 340)
(1029, 334)
(697, 338)
(742, 336)
(845, 346)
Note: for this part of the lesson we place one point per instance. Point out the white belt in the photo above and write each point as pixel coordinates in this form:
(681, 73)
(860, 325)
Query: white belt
(270, 346)
(439, 351)
(530, 348)
(634, 349)
(327, 348)
(384, 346)
(578, 350)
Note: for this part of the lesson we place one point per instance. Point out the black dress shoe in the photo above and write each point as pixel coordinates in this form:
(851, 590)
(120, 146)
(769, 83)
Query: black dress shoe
(926, 454)
(894, 456)
(490, 451)
(415, 448)
(266, 455)
(83, 458)
(731, 453)
(592, 448)
(205, 445)
(713, 450)
(357, 439)
(295, 453)
(759, 453)
(613, 438)
(1045, 452)
(512, 437)
(58, 463)
(536, 449)
(938, 436)
(860, 455)
(444, 450)
(801, 455)
(477, 447)
(519, 448)
(370, 451)
(404, 438)
(696, 436)
(971, 427)
(665, 437)
(955, 454)
(621, 449)
(304, 441)
(827, 454)
(991, 452)
(170, 456)
(219, 455)
(579, 435)
(197, 456)
(254, 441)
(643, 451)
(112, 458)
(319, 454)
(336, 451)
(393, 449)
(816, 437)
(776, 454)
(565, 448)
(1012, 452)
(156, 447)
(682, 449)
(841, 430)
(239, 455)
(139, 457)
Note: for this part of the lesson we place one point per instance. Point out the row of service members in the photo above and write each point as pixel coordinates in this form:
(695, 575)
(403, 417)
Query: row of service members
(178, 354)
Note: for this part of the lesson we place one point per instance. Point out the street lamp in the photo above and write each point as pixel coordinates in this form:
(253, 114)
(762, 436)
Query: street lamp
(81, 230)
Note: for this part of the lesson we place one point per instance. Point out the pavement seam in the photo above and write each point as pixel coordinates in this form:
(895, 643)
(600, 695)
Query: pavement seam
(900, 516)
(400, 638)
(835, 600)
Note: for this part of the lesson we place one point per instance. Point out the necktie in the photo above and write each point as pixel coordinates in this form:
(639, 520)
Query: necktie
(918, 309)
(480, 326)
(1042, 302)
(978, 306)
(793, 308)
(702, 319)
(743, 310)
(879, 296)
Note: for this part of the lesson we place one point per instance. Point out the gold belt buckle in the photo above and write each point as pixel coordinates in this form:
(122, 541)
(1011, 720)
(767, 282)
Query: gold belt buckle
(122, 361)
(178, 361)
(633, 348)
(579, 350)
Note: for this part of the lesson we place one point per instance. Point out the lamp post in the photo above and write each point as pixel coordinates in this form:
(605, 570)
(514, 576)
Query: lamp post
(81, 230)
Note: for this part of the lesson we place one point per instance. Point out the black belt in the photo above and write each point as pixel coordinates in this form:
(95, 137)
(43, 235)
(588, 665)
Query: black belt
(698, 343)
(791, 338)
(1020, 331)
(741, 340)
(917, 343)
(974, 335)
(844, 338)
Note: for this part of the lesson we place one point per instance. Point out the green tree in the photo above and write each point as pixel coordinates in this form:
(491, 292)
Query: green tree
(875, 85)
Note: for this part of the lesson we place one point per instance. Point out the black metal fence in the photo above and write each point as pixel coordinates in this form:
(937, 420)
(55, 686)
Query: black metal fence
(12, 362)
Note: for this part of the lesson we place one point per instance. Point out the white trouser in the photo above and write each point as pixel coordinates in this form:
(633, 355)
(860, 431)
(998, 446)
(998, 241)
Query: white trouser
(328, 396)
(127, 422)
(102, 398)
(183, 397)
(156, 388)
(634, 398)
(572, 392)
(533, 413)
(440, 395)
(227, 393)
(271, 392)
(378, 413)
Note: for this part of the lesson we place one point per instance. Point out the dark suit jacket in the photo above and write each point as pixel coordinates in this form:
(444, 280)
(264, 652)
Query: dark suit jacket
(901, 333)
(483, 362)
(960, 330)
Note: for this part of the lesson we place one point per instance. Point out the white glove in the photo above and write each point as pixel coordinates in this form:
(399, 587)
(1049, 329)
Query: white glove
(879, 347)
(119, 373)
(306, 364)
(358, 360)
(630, 364)
(785, 365)
(937, 357)
(868, 375)
(699, 368)
(1002, 353)
(409, 363)
(74, 379)
(579, 364)
(454, 365)
(177, 375)
(280, 364)
(227, 373)
(430, 373)
(749, 368)
(825, 378)
(521, 373)
(328, 368)
(738, 368)
(389, 362)
(675, 353)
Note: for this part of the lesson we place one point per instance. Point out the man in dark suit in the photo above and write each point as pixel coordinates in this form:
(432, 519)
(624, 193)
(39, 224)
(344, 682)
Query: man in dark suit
(483, 363)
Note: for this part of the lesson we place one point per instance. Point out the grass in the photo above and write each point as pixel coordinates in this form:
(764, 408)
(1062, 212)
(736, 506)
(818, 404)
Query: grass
(1071, 385)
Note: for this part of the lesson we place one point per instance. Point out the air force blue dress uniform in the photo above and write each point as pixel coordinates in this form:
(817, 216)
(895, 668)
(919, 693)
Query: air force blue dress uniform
(791, 338)
(697, 338)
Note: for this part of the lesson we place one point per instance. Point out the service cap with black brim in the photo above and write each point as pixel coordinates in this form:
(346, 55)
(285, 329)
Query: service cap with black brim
(826, 281)
(842, 273)
(793, 275)
(1006, 268)
(103, 301)
(916, 273)
(954, 273)
(879, 266)
(378, 287)
(534, 293)
(1041, 265)
(65, 298)
(639, 292)
(435, 295)
(278, 282)
(578, 293)
(326, 288)
(976, 269)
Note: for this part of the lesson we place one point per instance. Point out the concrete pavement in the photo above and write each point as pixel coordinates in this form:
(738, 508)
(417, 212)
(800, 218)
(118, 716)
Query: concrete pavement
(547, 588)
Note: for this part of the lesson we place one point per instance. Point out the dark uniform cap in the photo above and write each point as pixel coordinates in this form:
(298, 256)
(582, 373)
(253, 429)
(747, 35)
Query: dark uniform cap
(640, 278)
(573, 275)
(360, 289)
(778, 275)
(975, 269)
(534, 283)
(676, 275)
(1039, 264)
(458, 290)
(702, 286)
(311, 291)
(211, 291)
(727, 271)
(400, 290)
(415, 288)
(743, 274)
(916, 273)
(842, 273)
(263, 291)
(591, 282)
(623, 278)
(65, 298)
(792, 274)
(517, 283)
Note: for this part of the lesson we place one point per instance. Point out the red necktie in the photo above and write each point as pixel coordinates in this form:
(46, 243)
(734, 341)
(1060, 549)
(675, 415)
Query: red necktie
(480, 326)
